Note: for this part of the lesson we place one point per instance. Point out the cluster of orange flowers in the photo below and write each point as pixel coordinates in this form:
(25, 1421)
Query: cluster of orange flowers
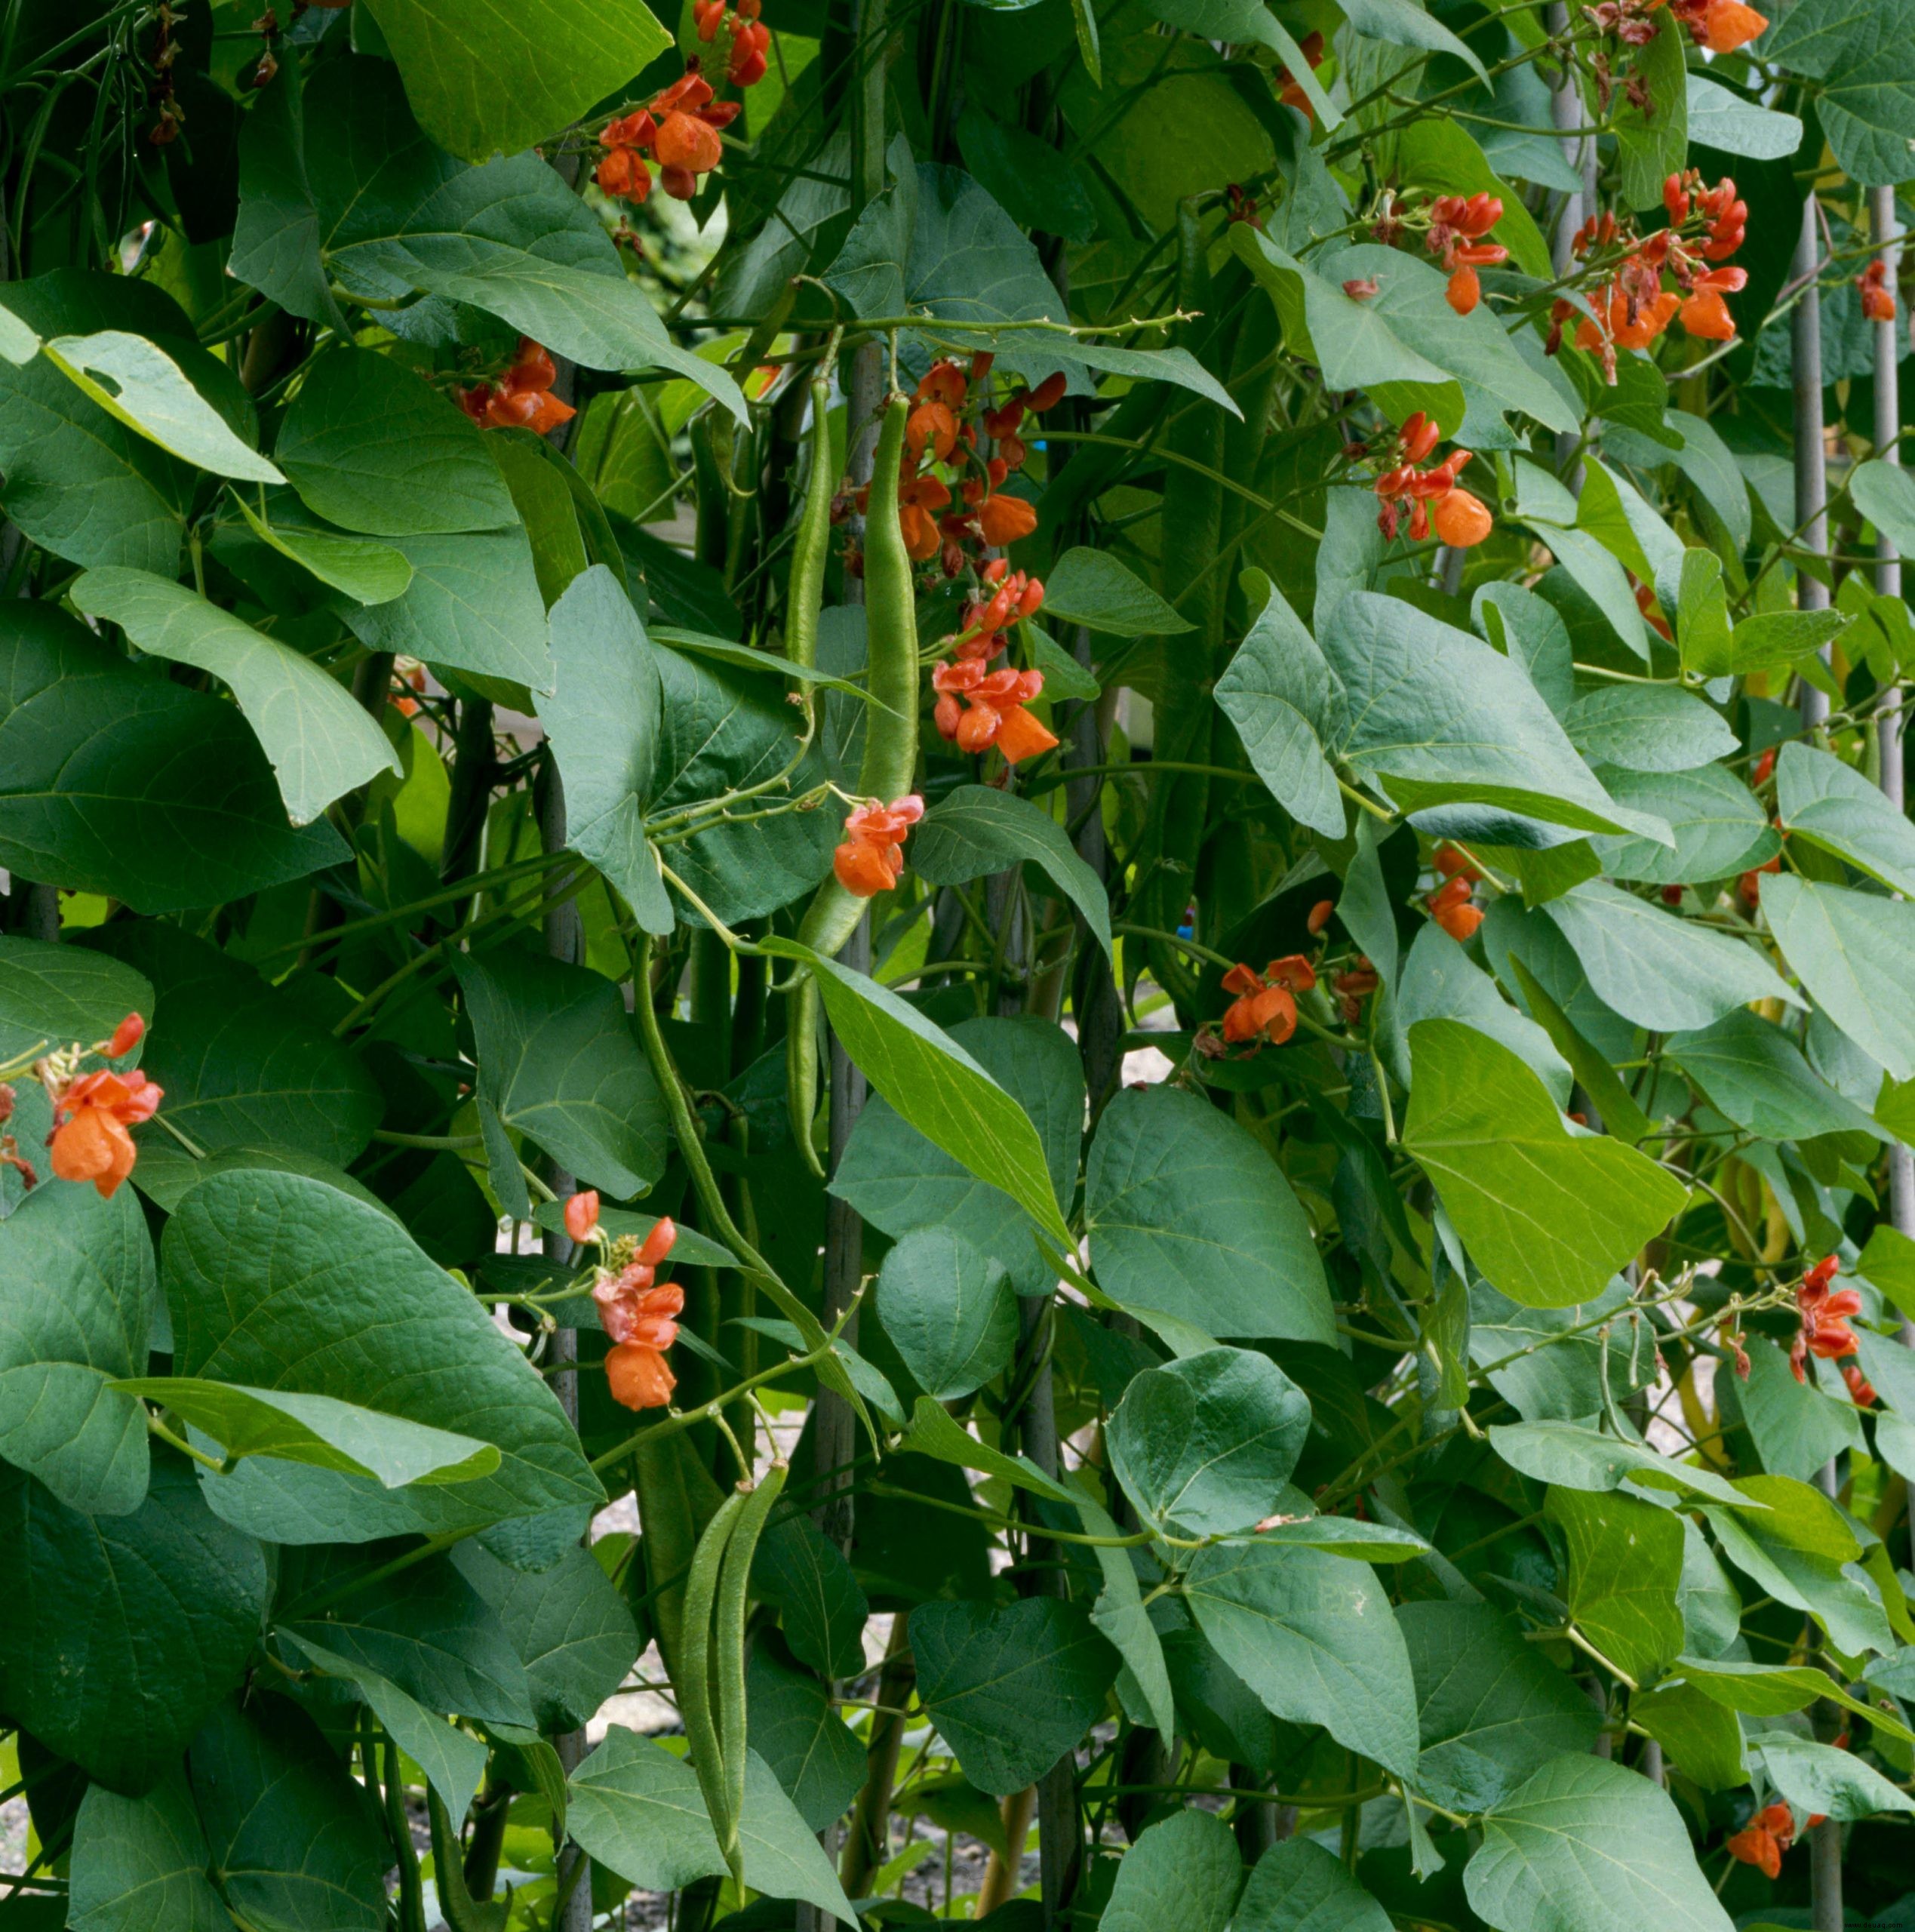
(871, 859)
(993, 711)
(1706, 226)
(1262, 1010)
(1458, 224)
(1265, 1005)
(92, 1112)
(949, 409)
(1824, 1333)
(521, 398)
(1462, 520)
(751, 38)
(679, 129)
(1878, 299)
(1450, 904)
(640, 1312)
(1762, 1841)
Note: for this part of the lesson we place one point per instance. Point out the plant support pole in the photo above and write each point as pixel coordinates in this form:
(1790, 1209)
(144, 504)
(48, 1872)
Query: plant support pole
(1811, 459)
(1887, 232)
(564, 934)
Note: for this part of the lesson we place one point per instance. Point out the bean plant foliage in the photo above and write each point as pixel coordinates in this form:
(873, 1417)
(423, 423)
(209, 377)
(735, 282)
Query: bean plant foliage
(958, 964)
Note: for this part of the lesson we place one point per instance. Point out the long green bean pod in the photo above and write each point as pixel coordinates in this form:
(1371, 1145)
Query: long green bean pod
(728, 1654)
(804, 597)
(890, 758)
(693, 1681)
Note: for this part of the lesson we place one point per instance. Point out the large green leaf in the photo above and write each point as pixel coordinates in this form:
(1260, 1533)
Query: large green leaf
(242, 1065)
(87, 486)
(453, 1760)
(899, 1179)
(1492, 1709)
(54, 995)
(1719, 826)
(1474, 350)
(1864, 56)
(570, 1626)
(472, 603)
(935, 1086)
(1820, 1778)
(812, 1752)
(139, 1864)
(1549, 1212)
(1189, 1217)
(720, 730)
(367, 572)
(636, 1810)
(1011, 1689)
(1350, 341)
(1313, 1635)
(605, 719)
(1648, 728)
(1437, 717)
(373, 447)
(280, 1282)
(321, 743)
(424, 1628)
(1625, 1562)
(1094, 589)
(341, 189)
(1795, 1427)
(1585, 1845)
(1754, 1074)
(1830, 805)
(1184, 1872)
(1660, 970)
(936, 244)
(1855, 952)
(318, 1430)
(1204, 1445)
(1279, 693)
(558, 1063)
(819, 1600)
(977, 829)
(77, 1296)
(118, 1634)
(295, 1841)
(115, 780)
(136, 382)
(1299, 1886)
(949, 1310)
(1577, 1458)
(563, 58)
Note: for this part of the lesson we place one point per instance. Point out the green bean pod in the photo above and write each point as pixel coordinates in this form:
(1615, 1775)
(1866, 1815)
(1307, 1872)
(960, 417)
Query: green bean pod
(890, 758)
(693, 1681)
(728, 1653)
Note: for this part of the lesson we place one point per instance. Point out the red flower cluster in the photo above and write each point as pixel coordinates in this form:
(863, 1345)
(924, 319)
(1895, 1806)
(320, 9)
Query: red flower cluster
(679, 131)
(949, 411)
(751, 38)
(871, 859)
(1458, 224)
(1878, 299)
(1350, 986)
(1265, 1005)
(1462, 520)
(1825, 1333)
(522, 397)
(993, 711)
(1721, 25)
(1762, 1841)
(1450, 904)
(640, 1312)
(1705, 226)
(92, 1112)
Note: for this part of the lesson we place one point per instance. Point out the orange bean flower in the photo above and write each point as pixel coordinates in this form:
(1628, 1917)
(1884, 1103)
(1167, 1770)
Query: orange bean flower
(640, 1314)
(91, 1115)
(871, 859)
